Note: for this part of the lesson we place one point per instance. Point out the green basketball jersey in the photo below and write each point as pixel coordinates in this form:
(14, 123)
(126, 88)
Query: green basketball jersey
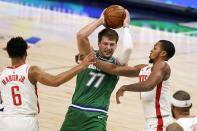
(94, 87)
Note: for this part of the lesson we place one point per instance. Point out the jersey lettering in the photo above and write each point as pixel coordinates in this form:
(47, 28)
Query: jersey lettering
(142, 78)
(16, 96)
(13, 78)
(98, 77)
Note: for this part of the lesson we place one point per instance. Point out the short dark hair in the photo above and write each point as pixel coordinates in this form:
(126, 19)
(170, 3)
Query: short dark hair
(16, 47)
(110, 33)
(168, 46)
(182, 95)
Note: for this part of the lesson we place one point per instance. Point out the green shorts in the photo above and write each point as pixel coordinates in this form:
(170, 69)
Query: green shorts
(80, 120)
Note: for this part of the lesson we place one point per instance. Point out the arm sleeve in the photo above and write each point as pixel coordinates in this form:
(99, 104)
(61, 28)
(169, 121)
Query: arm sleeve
(127, 47)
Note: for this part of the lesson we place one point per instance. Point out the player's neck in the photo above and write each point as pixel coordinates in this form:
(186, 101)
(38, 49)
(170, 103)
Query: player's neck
(17, 61)
(158, 60)
(183, 115)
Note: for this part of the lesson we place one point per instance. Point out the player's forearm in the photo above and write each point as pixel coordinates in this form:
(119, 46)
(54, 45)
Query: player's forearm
(138, 87)
(67, 75)
(82, 36)
(88, 29)
(117, 69)
(106, 67)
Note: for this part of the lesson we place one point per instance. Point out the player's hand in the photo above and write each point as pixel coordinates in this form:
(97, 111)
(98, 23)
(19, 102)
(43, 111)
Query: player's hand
(89, 59)
(102, 18)
(127, 19)
(119, 93)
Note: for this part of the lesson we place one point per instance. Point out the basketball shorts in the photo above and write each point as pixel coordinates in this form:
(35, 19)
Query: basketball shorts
(81, 120)
(19, 123)
(152, 124)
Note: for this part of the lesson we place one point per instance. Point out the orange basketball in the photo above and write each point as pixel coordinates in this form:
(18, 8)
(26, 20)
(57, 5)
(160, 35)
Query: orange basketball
(114, 16)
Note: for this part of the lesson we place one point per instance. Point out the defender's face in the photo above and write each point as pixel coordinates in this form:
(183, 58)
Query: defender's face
(107, 46)
(155, 52)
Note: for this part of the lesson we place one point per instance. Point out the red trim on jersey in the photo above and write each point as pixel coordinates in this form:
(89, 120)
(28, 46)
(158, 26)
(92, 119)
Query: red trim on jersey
(36, 91)
(157, 105)
(10, 67)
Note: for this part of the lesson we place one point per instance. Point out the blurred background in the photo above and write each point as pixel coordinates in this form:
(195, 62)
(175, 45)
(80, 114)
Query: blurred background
(50, 27)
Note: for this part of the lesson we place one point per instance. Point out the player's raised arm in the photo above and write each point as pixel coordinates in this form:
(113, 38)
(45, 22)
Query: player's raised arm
(82, 36)
(127, 44)
(36, 74)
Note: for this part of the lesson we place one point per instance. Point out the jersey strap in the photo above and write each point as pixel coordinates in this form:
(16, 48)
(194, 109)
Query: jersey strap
(88, 108)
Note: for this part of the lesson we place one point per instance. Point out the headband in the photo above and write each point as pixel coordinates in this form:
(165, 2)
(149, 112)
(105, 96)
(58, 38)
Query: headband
(181, 103)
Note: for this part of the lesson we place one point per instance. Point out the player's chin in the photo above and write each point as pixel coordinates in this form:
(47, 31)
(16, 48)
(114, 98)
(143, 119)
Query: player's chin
(108, 54)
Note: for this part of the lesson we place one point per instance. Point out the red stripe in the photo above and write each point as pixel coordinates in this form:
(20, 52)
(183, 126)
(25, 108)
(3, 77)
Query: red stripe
(157, 105)
(36, 91)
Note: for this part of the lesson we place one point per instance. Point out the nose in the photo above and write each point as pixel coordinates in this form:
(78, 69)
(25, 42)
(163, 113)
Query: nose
(108, 47)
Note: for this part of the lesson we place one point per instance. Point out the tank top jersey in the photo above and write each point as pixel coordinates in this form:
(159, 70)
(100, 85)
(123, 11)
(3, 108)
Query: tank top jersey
(19, 96)
(94, 87)
(188, 124)
(156, 103)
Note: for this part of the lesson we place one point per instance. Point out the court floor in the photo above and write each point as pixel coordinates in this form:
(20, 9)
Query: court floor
(55, 53)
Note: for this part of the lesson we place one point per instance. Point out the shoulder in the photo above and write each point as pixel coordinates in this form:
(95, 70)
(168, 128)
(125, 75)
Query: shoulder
(33, 71)
(174, 127)
(163, 65)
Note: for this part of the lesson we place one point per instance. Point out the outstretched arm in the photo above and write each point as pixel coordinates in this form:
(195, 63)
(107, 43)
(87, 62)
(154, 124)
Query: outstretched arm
(36, 74)
(82, 36)
(158, 74)
(119, 70)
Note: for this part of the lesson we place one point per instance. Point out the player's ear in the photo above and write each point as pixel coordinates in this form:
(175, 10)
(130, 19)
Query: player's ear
(163, 53)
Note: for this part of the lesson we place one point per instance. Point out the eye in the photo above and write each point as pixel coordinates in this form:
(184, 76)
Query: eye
(105, 43)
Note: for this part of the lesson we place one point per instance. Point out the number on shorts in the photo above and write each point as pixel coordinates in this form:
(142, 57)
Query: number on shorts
(95, 76)
(16, 97)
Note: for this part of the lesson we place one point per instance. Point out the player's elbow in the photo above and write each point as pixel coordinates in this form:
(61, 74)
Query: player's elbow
(149, 86)
(57, 82)
(80, 35)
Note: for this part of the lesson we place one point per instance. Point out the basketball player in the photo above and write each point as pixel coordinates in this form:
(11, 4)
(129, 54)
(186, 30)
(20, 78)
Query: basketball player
(153, 84)
(90, 102)
(18, 87)
(181, 105)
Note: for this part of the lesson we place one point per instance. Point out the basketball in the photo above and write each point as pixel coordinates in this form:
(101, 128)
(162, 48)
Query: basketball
(114, 16)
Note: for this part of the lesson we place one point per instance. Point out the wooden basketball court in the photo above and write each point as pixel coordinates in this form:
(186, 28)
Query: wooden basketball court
(55, 53)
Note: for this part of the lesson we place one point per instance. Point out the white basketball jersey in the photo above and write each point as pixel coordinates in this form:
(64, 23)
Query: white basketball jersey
(188, 124)
(18, 94)
(156, 103)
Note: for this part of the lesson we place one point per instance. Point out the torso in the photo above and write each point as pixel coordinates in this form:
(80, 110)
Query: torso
(18, 94)
(94, 87)
(156, 103)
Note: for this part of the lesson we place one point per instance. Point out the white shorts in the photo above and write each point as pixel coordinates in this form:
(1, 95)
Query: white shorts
(19, 123)
(152, 124)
